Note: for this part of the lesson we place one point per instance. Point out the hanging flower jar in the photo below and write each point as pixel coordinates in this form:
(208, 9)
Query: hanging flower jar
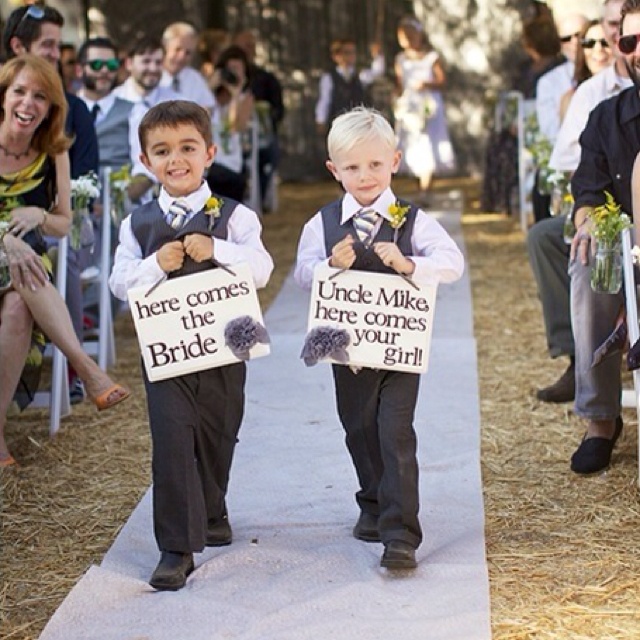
(608, 223)
(83, 190)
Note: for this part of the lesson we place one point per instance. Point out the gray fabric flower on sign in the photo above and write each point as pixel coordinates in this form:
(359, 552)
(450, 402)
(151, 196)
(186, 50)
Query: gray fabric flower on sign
(325, 342)
(242, 334)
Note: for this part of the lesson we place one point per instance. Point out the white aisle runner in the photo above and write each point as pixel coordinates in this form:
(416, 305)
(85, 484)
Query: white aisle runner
(294, 571)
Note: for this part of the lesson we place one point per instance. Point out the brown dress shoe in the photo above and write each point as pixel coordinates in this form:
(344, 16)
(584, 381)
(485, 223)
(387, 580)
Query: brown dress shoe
(366, 528)
(398, 555)
(562, 390)
(172, 571)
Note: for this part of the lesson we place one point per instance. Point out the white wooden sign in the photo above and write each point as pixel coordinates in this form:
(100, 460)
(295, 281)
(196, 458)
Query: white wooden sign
(388, 320)
(181, 324)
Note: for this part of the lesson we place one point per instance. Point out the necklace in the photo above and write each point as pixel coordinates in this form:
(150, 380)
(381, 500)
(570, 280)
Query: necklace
(17, 156)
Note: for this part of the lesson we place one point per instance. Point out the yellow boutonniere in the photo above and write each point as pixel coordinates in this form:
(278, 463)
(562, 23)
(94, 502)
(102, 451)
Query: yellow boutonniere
(212, 209)
(398, 215)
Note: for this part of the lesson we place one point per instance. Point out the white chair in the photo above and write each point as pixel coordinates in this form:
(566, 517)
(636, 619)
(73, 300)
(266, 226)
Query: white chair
(57, 399)
(631, 397)
(254, 199)
(526, 168)
(104, 348)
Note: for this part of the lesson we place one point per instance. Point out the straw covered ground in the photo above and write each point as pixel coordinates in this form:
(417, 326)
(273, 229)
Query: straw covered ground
(562, 550)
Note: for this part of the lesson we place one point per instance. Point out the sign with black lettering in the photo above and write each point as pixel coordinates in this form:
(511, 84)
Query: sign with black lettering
(181, 324)
(388, 320)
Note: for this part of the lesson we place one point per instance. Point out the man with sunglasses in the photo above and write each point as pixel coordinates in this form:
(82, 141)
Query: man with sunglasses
(548, 251)
(610, 144)
(555, 83)
(38, 30)
(99, 64)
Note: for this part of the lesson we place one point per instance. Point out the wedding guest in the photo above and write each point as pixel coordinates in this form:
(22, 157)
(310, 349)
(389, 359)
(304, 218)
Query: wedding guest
(35, 201)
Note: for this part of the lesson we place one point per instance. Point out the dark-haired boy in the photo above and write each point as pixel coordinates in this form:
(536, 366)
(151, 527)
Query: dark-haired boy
(194, 418)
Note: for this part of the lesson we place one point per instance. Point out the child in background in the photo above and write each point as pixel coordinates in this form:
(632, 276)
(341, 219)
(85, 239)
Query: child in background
(376, 407)
(194, 418)
(343, 88)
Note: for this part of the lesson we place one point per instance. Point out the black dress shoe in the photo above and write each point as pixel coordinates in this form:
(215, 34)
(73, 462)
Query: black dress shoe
(219, 533)
(594, 454)
(366, 528)
(172, 571)
(398, 555)
(562, 390)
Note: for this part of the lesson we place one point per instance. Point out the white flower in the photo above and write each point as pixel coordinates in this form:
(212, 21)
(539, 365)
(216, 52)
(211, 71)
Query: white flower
(635, 254)
(83, 189)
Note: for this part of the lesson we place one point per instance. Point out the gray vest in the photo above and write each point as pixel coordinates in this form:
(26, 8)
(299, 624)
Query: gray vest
(366, 259)
(113, 135)
(152, 231)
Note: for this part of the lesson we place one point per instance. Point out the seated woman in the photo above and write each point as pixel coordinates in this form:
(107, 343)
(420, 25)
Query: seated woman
(593, 55)
(35, 200)
(232, 114)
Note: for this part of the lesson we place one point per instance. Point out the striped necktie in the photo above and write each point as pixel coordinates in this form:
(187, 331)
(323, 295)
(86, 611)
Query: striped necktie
(178, 214)
(364, 223)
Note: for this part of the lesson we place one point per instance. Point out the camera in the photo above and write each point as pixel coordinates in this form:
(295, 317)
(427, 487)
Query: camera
(228, 76)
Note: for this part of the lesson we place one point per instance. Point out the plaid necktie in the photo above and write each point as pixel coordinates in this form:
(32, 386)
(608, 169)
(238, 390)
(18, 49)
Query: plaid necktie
(364, 223)
(178, 214)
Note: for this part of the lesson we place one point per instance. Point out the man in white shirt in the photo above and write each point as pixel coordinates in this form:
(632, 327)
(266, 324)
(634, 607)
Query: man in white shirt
(548, 251)
(555, 83)
(180, 40)
(142, 87)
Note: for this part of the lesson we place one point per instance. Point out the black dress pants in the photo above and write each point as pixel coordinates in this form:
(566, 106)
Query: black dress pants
(376, 408)
(194, 422)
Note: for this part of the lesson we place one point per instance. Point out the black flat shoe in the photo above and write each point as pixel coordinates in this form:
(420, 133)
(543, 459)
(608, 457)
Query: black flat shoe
(172, 571)
(398, 555)
(366, 529)
(594, 454)
(219, 534)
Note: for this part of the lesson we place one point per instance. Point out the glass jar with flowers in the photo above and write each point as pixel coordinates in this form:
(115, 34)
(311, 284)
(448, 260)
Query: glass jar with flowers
(608, 221)
(83, 190)
(119, 180)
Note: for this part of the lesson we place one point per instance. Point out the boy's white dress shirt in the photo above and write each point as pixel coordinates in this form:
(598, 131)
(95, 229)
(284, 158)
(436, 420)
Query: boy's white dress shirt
(243, 244)
(434, 252)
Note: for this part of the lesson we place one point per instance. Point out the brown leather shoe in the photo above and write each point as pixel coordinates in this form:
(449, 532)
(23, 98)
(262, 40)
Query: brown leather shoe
(562, 390)
(172, 571)
(219, 534)
(366, 528)
(398, 555)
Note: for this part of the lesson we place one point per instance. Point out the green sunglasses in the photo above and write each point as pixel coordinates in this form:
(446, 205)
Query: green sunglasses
(112, 64)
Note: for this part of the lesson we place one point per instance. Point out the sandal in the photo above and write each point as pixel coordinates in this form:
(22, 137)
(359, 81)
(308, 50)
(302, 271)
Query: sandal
(111, 397)
(10, 461)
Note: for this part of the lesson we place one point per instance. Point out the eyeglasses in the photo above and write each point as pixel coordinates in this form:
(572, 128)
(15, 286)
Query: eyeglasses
(590, 43)
(112, 64)
(34, 11)
(569, 38)
(628, 44)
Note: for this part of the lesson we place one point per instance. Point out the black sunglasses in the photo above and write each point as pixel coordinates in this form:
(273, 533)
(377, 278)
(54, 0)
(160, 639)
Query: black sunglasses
(589, 43)
(34, 11)
(565, 39)
(112, 64)
(628, 44)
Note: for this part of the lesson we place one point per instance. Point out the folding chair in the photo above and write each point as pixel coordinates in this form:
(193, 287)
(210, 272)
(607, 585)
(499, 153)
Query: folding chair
(104, 348)
(254, 199)
(57, 399)
(631, 397)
